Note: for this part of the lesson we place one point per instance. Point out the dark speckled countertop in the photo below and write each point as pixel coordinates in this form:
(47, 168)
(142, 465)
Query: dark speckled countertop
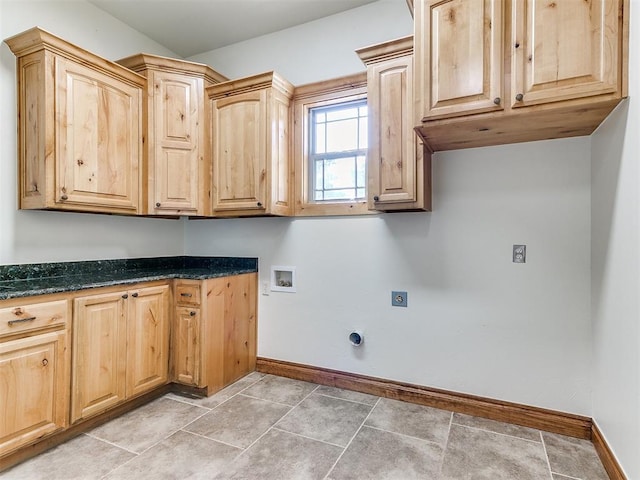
(25, 280)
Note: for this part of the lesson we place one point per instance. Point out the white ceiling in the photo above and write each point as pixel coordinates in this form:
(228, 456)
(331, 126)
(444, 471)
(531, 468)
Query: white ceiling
(189, 27)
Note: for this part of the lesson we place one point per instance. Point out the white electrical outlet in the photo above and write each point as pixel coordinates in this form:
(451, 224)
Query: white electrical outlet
(265, 288)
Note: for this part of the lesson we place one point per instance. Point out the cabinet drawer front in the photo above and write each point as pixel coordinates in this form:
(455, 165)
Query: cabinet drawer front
(188, 294)
(23, 318)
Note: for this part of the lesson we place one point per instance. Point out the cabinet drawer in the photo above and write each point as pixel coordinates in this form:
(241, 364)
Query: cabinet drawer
(188, 294)
(23, 318)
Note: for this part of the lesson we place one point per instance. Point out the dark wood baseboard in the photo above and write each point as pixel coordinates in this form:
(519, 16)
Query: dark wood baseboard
(534, 417)
(607, 457)
(57, 438)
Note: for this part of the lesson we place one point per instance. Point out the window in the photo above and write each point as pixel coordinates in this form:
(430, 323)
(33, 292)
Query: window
(337, 152)
(330, 147)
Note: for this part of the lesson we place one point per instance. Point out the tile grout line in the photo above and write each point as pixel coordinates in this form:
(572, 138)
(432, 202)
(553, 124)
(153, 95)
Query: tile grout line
(219, 391)
(400, 434)
(111, 443)
(308, 438)
(272, 426)
(181, 429)
(155, 443)
(496, 433)
(346, 399)
(351, 440)
(270, 401)
(211, 439)
(546, 456)
(445, 446)
(565, 476)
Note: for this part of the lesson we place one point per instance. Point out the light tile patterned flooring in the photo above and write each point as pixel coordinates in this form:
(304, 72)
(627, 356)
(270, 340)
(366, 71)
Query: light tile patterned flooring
(266, 427)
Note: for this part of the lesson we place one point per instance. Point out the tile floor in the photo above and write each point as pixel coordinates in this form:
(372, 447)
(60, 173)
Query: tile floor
(265, 427)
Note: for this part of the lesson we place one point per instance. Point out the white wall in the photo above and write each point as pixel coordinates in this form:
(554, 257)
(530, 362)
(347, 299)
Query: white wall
(317, 50)
(615, 234)
(476, 322)
(30, 236)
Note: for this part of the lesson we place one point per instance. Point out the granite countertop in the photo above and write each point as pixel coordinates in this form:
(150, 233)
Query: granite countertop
(26, 280)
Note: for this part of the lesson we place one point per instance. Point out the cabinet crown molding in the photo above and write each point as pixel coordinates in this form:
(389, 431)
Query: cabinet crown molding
(36, 39)
(248, 84)
(386, 51)
(144, 61)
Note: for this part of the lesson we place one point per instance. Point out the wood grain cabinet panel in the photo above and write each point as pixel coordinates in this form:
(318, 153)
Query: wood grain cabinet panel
(35, 369)
(398, 168)
(187, 350)
(560, 72)
(80, 128)
(177, 165)
(148, 339)
(564, 50)
(215, 343)
(460, 46)
(250, 146)
(120, 347)
(99, 353)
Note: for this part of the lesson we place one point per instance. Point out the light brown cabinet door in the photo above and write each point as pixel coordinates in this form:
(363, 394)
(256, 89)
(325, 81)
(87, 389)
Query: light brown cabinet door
(34, 388)
(99, 353)
(187, 343)
(147, 339)
(460, 47)
(391, 156)
(563, 50)
(98, 134)
(177, 150)
(239, 139)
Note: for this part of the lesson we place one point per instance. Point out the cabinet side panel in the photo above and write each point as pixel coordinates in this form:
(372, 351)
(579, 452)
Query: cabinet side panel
(32, 138)
(214, 335)
(281, 166)
(240, 331)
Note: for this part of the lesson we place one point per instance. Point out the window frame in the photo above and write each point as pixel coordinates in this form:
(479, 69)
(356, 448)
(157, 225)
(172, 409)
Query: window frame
(353, 154)
(322, 94)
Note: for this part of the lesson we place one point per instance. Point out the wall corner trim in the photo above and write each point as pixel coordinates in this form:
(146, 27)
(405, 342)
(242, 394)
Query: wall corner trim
(608, 459)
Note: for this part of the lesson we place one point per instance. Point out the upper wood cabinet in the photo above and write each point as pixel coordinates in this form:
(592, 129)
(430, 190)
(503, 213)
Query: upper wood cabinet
(564, 49)
(398, 168)
(177, 165)
(559, 73)
(250, 146)
(460, 52)
(34, 368)
(80, 127)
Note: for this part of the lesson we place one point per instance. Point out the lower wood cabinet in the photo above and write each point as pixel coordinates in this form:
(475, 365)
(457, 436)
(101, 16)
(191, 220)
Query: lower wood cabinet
(34, 370)
(120, 347)
(214, 340)
(55, 372)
